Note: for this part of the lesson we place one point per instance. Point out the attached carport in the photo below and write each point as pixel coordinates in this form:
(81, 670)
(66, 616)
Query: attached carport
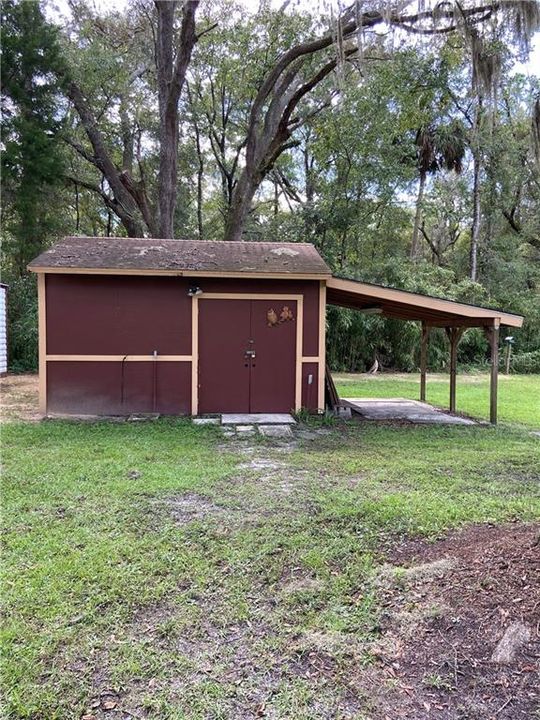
(431, 312)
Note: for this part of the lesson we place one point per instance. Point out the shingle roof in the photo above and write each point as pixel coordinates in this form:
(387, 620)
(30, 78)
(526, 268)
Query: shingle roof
(132, 254)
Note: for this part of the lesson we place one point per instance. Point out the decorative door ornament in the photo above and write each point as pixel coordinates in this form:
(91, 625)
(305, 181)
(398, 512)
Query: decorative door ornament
(284, 316)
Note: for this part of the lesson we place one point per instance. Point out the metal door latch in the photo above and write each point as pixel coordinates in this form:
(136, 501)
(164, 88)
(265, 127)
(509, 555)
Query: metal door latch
(250, 353)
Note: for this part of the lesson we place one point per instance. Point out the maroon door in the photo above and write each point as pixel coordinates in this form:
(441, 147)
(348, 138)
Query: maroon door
(247, 355)
(273, 369)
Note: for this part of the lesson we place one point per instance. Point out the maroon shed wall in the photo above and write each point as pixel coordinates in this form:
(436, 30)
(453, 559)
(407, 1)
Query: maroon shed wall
(117, 315)
(135, 315)
(115, 388)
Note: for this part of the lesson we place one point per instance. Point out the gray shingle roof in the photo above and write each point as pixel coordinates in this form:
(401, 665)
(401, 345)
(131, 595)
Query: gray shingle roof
(106, 253)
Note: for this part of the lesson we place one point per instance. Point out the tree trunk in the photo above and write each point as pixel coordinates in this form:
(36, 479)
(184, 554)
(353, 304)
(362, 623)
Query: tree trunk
(415, 243)
(240, 206)
(477, 171)
(475, 229)
(125, 206)
(171, 75)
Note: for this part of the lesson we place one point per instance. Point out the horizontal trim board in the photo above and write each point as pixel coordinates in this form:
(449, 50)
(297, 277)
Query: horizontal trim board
(178, 273)
(248, 296)
(311, 359)
(118, 358)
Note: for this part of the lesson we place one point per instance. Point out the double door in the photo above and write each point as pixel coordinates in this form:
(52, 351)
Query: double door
(247, 355)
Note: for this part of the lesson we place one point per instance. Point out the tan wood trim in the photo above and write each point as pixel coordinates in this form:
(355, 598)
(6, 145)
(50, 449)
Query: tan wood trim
(179, 273)
(423, 302)
(249, 296)
(299, 351)
(322, 345)
(118, 358)
(195, 355)
(310, 359)
(42, 330)
(262, 296)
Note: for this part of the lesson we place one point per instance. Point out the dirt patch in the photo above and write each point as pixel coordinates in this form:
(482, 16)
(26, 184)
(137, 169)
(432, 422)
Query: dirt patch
(191, 506)
(19, 398)
(444, 614)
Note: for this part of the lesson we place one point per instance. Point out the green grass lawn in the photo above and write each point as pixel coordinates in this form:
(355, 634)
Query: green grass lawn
(519, 395)
(196, 580)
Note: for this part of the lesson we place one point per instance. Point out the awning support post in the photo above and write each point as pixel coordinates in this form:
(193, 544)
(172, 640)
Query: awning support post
(423, 360)
(492, 335)
(454, 336)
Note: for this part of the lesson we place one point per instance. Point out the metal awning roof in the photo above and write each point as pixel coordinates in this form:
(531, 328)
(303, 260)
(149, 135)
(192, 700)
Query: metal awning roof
(405, 305)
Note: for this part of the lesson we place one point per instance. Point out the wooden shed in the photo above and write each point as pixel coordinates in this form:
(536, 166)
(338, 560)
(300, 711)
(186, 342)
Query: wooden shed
(177, 327)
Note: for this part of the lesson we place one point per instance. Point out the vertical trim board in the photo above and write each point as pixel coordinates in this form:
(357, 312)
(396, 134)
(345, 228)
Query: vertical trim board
(195, 355)
(322, 345)
(42, 340)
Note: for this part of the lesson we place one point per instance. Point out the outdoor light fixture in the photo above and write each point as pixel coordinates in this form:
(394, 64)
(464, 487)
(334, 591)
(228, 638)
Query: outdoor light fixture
(194, 290)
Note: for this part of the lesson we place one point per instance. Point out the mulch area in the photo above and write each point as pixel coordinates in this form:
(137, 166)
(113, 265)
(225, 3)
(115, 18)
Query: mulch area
(439, 630)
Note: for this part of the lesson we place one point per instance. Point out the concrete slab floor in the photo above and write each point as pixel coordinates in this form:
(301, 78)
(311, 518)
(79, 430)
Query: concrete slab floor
(403, 409)
(257, 419)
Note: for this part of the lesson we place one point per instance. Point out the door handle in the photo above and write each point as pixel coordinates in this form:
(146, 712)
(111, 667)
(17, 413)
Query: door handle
(250, 353)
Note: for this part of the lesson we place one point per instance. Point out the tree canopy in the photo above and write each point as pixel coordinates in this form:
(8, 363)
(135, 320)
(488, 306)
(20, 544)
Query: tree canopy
(397, 137)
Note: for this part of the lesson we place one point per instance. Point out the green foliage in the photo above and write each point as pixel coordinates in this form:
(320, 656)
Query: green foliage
(525, 362)
(32, 164)
(349, 182)
(22, 324)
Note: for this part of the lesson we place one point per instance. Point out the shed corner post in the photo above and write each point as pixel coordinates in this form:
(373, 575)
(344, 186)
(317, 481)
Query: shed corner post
(194, 355)
(454, 336)
(423, 359)
(42, 342)
(322, 348)
(492, 334)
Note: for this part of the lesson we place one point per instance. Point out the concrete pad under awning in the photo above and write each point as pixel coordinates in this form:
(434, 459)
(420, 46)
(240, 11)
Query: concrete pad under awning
(412, 411)
(257, 419)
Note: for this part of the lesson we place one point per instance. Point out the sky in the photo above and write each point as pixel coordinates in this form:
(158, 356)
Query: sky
(55, 9)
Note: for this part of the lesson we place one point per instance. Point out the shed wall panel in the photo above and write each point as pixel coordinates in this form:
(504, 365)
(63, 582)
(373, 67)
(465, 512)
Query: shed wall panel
(117, 315)
(116, 388)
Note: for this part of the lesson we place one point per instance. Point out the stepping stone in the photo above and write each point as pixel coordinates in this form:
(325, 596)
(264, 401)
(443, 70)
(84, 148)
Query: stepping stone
(205, 421)
(245, 430)
(276, 431)
(257, 419)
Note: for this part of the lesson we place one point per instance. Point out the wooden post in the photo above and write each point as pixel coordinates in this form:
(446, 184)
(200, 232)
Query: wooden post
(423, 360)
(492, 335)
(454, 335)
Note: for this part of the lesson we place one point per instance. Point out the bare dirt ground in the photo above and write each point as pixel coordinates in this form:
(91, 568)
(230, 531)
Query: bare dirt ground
(19, 398)
(444, 616)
